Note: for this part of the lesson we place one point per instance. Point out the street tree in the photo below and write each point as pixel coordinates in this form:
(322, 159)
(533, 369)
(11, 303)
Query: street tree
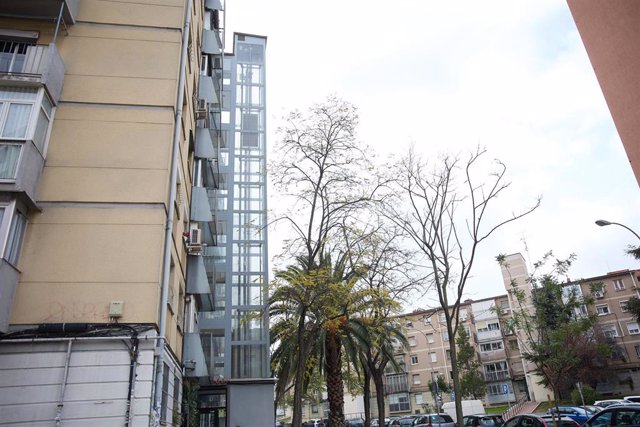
(444, 210)
(556, 333)
(472, 383)
(324, 178)
(389, 279)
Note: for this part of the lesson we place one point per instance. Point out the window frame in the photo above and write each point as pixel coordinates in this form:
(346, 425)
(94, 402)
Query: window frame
(413, 359)
(618, 285)
(599, 306)
(636, 329)
(10, 210)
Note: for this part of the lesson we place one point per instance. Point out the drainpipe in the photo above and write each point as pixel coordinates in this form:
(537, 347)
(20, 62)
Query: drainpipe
(65, 376)
(168, 241)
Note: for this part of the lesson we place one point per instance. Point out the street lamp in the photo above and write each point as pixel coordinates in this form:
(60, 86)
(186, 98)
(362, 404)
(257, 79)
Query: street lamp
(604, 222)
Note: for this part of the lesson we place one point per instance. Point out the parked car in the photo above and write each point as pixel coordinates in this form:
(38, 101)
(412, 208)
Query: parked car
(561, 421)
(634, 399)
(435, 420)
(316, 422)
(607, 402)
(406, 421)
(376, 422)
(526, 420)
(354, 422)
(616, 415)
(593, 408)
(576, 413)
(482, 420)
(394, 422)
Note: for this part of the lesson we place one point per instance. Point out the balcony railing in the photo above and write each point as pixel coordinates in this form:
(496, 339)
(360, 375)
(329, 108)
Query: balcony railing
(33, 63)
(496, 376)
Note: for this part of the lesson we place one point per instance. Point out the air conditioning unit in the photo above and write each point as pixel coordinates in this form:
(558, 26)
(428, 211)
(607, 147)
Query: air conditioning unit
(201, 109)
(195, 236)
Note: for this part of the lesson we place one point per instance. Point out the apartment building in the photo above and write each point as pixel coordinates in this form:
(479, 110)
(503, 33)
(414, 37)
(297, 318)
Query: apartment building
(509, 377)
(132, 198)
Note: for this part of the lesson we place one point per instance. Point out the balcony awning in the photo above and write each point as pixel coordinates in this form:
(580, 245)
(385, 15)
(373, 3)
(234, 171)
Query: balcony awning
(197, 281)
(211, 42)
(200, 208)
(207, 90)
(194, 361)
(213, 4)
(41, 9)
(204, 144)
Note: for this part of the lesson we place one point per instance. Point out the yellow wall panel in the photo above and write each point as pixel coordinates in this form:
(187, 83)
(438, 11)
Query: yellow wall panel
(110, 144)
(84, 302)
(119, 90)
(104, 185)
(165, 14)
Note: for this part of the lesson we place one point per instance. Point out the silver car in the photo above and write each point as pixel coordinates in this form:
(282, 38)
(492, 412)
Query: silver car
(434, 420)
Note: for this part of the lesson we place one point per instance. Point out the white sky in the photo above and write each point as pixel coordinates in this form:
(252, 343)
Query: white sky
(448, 75)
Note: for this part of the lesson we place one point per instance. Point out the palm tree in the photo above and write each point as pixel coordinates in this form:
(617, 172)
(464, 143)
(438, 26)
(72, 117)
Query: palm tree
(293, 305)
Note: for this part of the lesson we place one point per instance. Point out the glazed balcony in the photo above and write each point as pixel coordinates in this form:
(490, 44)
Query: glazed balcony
(488, 356)
(22, 64)
(9, 277)
(396, 383)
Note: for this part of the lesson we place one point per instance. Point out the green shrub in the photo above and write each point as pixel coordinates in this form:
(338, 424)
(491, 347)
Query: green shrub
(588, 393)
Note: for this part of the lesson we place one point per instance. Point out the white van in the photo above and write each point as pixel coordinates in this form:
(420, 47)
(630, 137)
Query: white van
(469, 407)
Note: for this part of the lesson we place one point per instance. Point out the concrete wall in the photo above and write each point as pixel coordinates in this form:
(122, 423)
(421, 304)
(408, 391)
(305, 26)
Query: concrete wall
(248, 406)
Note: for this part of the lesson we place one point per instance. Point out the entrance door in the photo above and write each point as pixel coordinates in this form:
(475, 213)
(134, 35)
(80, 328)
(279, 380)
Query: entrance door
(212, 405)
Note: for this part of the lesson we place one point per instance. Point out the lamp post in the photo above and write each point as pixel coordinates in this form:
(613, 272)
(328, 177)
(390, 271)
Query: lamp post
(604, 222)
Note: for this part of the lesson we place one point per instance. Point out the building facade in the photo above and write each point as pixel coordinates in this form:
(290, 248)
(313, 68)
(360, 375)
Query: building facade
(611, 37)
(133, 261)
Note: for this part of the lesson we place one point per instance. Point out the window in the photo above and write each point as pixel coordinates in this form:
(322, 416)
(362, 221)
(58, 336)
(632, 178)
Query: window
(419, 399)
(623, 306)
(448, 354)
(504, 305)
(13, 55)
(427, 320)
(416, 379)
(164, 413)
(494, 326)
(176, 394)
(633, 328)
(486, 327)
(409, 324)
(414, 359)
(618, 285)
(496, 389)
(13, 223)
(399, 402)
(432, 357)
(430, 338)
(602, 309)
(637, 351)
(491, 346)
(314, 408)
(463, 315)
(443, 318)
(445, 336)
(610, 331)
(513, 345)
(412, 341)
(20, 120)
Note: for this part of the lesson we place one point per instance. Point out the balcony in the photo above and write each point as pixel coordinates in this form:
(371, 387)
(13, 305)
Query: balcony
(41, 9)
(33, 65)
(396, 383)
(488, 335)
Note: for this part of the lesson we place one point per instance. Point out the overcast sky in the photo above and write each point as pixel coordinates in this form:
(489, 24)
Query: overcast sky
(512, 76)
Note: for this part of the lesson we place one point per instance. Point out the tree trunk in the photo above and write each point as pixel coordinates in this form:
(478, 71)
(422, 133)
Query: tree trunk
(296, 419)
(367, 395)
(379, 383)
(335, 390)
(455, 374)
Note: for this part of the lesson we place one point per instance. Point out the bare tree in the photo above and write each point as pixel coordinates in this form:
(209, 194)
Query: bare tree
(444, 210)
